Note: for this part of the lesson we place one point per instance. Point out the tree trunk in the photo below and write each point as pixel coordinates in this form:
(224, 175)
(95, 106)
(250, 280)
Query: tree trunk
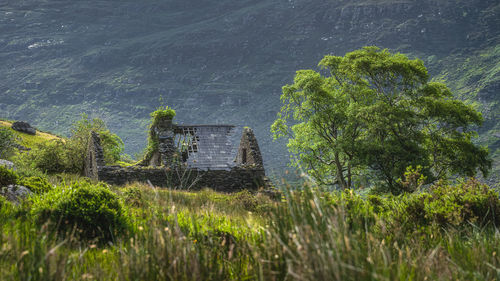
(340, 174)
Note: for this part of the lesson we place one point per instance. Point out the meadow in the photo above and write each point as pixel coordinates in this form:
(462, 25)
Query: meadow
(304, 235)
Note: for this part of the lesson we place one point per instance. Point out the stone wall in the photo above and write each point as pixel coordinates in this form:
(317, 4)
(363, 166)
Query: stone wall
(248, 151)
(221, 180)
(94, 158)
(235, 179)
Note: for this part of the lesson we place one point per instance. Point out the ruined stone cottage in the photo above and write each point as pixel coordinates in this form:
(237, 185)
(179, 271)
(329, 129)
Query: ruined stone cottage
(187, 157)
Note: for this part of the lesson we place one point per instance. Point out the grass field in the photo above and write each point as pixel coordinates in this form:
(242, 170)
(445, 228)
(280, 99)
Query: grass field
(311, 235)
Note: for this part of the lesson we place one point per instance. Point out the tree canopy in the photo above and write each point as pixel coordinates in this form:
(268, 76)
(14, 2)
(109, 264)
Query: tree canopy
(372, 114)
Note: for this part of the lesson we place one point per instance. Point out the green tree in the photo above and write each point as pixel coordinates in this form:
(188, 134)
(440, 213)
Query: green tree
(68, 155)
(77, 144)
(376, 113)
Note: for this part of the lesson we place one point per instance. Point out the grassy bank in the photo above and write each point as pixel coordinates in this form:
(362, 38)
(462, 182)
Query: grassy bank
(311, 235)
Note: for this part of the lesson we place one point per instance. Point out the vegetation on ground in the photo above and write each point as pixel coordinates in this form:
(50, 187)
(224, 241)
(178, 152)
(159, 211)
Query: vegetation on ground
(36, 184)
(7, 143)
(86, 211)
(52, 154)
(306, 235)
(7, 176)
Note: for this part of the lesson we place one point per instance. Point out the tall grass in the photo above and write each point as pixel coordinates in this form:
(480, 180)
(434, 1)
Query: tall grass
(308, 235)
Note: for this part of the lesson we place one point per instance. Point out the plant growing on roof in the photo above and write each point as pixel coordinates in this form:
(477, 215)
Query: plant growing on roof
(161, 113)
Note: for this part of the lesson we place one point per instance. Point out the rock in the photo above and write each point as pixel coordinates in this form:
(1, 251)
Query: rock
(7, 164)
(23, 127)
(15, 193)
(21, 147)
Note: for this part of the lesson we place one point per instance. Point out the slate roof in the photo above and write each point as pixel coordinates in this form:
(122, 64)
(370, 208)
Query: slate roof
(209, 146)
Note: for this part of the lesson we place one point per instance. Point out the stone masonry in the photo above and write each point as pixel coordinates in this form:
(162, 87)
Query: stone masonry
(188, 157)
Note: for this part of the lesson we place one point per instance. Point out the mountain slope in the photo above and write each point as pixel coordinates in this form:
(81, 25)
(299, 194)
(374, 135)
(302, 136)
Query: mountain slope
(223, 61)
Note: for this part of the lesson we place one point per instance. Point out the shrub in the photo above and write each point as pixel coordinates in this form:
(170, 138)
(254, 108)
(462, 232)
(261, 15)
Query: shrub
(7, 176)
(133, 196)
(162, 113)
(359, 212)
(3, 202)
(49, 157)
(77, 144)
(466, 202)
(7, 143)
(449, 205)
(157, 116)
(93, 211)
(37, 185)
(246, 199)
(58, 156)
(6, 210)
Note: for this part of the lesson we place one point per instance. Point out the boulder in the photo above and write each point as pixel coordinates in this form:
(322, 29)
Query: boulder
(7, 164)
(23, 127)
(15, 193)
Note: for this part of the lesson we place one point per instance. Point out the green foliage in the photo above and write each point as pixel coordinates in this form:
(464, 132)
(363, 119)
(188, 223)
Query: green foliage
(91, 211)
(58, 155)
(3, 202)
(49, 157)
(7, 143)
(377, 113)
(37, 185)
(466, 202)
(111, 144)
(6, 211)
(7, 176)
(412, 180)
(461, 205)
(316, 235)
(133, 196)
(162, 113)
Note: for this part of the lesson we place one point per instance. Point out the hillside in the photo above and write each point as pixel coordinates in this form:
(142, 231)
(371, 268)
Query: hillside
(224, 61)
(27, 140)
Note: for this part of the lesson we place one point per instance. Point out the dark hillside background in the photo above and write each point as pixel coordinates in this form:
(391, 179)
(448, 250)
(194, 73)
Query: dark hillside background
(224, 61)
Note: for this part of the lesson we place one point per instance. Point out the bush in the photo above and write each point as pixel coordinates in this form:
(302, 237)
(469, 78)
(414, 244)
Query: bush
(7, 143)
(466, 202)
(7, 176)
(93, 211)
(6, 210)
(359, 212)
(68, 156)
(49, 157)
(133, 196)
(450, 205)
(37, 185)
(162, 113)
(3, 202)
